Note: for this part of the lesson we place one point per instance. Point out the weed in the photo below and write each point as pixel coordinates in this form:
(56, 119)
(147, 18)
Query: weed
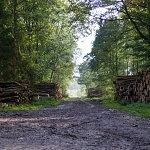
(37, 104)
(139, 109)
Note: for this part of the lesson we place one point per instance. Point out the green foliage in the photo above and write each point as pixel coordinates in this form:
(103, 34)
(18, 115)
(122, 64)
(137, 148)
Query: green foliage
(38, 104)
(37, 39)
(138, 109)
(86, 76)
(121, 45)
(107, 59)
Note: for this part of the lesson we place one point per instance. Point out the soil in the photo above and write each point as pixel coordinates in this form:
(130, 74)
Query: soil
(74, 125)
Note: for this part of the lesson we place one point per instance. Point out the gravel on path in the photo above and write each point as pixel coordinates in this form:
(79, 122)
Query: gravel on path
(74, 125)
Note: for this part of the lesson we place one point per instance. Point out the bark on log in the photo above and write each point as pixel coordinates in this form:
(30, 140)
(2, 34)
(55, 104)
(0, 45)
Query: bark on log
(133, 88)
(53, 89)
(14, 92)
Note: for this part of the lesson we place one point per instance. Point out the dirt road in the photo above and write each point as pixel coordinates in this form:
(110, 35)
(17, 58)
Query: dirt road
(73, 125)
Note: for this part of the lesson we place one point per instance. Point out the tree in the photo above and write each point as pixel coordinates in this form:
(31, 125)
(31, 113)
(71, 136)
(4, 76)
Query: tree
(87, 77)
(135, 14)
(121, 45)
(37, 39)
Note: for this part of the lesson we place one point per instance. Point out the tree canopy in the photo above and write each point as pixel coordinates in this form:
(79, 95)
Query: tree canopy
(122, 42)
(37, 38)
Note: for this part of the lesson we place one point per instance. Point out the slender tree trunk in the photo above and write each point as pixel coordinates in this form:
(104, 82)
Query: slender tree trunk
(51, 76)
(16, 50)
(137, 66)
(116, 63)
(127, 66)
(15, 28)
(53, 70)
(148, 7)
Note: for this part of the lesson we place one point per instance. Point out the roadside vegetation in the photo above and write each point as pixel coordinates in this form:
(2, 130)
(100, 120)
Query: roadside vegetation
(121, 48)
(138, 109)
(35, 105)
(38, 39)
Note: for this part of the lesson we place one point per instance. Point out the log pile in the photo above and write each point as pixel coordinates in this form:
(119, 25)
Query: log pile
(14, 92)
(133, 88)
(94, 92)
(48, 89)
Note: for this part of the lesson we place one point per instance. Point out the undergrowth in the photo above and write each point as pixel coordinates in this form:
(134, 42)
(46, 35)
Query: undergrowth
(138, 109)
(35, 105)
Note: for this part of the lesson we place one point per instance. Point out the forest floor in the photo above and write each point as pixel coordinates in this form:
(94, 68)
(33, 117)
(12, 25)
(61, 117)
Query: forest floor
(73, 125)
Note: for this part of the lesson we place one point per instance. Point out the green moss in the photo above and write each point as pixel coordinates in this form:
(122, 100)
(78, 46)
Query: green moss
(138, 109)
(38, 104)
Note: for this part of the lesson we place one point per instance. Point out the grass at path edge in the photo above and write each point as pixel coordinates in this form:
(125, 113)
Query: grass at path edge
(35, 105)
(138, 109)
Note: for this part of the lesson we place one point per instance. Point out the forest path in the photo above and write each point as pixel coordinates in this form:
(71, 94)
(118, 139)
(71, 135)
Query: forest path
(74, 125)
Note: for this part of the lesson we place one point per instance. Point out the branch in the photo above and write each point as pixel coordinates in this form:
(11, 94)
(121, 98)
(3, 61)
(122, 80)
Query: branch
(134, 23)
(115, 19)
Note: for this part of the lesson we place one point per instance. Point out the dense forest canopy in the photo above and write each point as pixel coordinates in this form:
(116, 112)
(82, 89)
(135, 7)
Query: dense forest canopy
(38, 37)
(122, 42)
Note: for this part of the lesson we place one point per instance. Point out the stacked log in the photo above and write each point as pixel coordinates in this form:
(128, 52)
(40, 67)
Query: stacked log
(48, 89)
(14, 92)
(133, 88)
(94, 92)
(26, 84)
